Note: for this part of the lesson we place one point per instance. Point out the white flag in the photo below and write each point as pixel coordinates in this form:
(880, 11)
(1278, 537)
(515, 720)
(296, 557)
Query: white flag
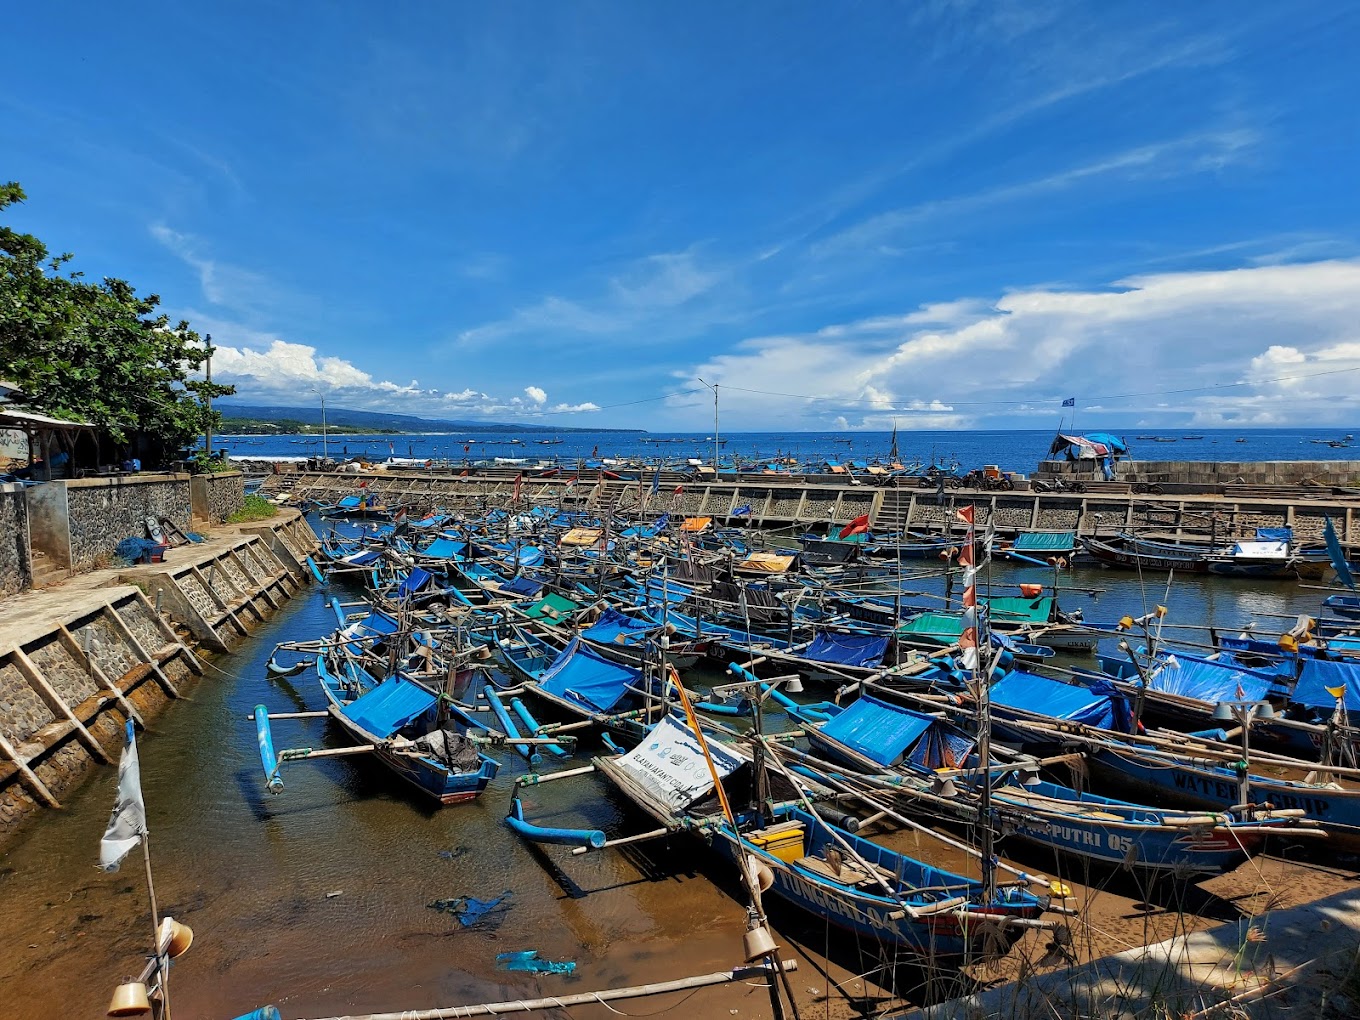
(127, 824)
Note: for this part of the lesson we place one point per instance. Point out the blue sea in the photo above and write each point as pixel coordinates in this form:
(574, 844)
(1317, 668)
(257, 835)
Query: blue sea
(1012, 450)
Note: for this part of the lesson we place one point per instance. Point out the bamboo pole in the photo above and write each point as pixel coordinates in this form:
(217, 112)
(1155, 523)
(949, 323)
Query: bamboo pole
(721, 977)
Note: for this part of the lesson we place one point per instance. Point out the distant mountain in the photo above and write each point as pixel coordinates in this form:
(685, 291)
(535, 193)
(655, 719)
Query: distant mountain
(383, 419)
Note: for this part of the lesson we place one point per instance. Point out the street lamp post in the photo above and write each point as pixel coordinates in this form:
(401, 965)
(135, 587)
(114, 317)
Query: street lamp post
(325, 446)
(1244, 712)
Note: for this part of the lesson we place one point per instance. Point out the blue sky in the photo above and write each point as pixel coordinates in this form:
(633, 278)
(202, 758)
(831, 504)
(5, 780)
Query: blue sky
(944, 214)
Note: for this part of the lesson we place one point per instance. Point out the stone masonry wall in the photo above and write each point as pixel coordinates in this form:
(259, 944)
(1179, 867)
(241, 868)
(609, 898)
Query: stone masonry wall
(16, 569)
(103, 512)
(1196, 472)
(226, 495)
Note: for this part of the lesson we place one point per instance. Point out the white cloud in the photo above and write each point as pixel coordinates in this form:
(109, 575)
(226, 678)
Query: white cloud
(1251, 345)
(262, 367)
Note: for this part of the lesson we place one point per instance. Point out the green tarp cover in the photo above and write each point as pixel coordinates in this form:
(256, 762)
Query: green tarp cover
(559, 604)
(1017, 609)
(942, 627)
(1045, 541)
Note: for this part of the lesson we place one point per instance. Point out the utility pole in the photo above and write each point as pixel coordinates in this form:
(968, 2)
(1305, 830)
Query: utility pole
(325, 446)
(207, 400)
(714, 388)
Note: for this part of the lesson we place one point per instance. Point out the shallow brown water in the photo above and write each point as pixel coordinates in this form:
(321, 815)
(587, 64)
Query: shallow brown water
(253, 874)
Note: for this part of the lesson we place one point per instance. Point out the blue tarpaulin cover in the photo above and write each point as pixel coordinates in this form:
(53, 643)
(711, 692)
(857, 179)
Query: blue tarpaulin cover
(349, 502)
(525, 586)
(1193, 677)
(1274, 534)
(581, 675)
(612, 623)
(1316, 675)
(390, 706)
(443, 549)
(847, 649)
(877, 730)
(1030, 692)
(415, 581)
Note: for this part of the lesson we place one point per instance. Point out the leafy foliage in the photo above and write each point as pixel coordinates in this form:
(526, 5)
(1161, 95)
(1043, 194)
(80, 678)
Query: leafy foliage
(255, 508)
(96, 352)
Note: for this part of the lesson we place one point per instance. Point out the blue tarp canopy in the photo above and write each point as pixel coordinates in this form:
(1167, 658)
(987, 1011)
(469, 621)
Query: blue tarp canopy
(1316, 675)
(877, 730)
(1191, 677)
(525, 586)
(443, 549)
(364, 558)
(349, 502)
(415, 581)
(847, 649)
(1274, 534)
(587, 678)
(1029, 692)
(389, 706)
(612, 623)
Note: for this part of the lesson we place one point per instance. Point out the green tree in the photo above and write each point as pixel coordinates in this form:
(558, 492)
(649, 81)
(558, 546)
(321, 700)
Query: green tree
(97, 352)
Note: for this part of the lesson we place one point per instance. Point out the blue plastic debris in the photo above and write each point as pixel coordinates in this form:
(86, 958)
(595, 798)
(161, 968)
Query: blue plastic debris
(468, 909)
(528, 960)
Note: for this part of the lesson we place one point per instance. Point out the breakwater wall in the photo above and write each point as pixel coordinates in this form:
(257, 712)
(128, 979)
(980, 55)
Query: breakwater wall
(79, 659)
(784, 505)
(1206, 474)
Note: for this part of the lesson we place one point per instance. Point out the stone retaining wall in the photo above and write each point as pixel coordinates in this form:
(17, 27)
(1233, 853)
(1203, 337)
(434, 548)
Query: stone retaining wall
(217, 497)
(1209, 473)
(104, 511)
(16, 566)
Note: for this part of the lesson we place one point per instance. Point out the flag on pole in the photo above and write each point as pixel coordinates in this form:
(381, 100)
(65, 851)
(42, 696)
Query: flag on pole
(656, 480)
(965, 514)
(519, 479)
(127, 824)
(1070, 402)
(856, 527)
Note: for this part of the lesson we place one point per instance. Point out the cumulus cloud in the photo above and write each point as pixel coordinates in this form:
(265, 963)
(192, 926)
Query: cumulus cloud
(277, 370)
(1264, 344)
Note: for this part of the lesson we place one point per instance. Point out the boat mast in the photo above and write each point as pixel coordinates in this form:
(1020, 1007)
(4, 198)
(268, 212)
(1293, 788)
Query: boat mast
(982, 679)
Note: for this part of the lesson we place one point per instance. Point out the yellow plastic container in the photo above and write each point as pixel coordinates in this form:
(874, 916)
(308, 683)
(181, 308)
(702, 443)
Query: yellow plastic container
(784, 841)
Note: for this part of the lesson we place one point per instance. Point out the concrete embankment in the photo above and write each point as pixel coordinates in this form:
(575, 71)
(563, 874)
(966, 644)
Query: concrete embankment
(1303, 961)
(79, 658)
(779, 504)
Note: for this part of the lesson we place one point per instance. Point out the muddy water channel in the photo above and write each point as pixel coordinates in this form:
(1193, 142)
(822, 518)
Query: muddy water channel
(319, 900)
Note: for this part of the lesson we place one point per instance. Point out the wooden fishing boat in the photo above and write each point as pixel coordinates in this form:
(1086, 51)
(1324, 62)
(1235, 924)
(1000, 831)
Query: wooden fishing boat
(875, 737)
(417, 738)
(935, 916)
(579, 684)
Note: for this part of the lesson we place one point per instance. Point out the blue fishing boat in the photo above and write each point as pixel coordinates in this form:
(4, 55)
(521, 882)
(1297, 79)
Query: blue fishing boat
(933, 915)
(581, 684)
(875, 737)
(421, 740)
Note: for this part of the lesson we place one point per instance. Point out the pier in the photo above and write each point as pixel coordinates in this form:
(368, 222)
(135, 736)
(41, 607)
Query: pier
(792, 504)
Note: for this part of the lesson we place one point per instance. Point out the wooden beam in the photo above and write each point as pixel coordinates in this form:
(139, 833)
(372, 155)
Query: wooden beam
(143, 653)
(87, 661)
(55, 701)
